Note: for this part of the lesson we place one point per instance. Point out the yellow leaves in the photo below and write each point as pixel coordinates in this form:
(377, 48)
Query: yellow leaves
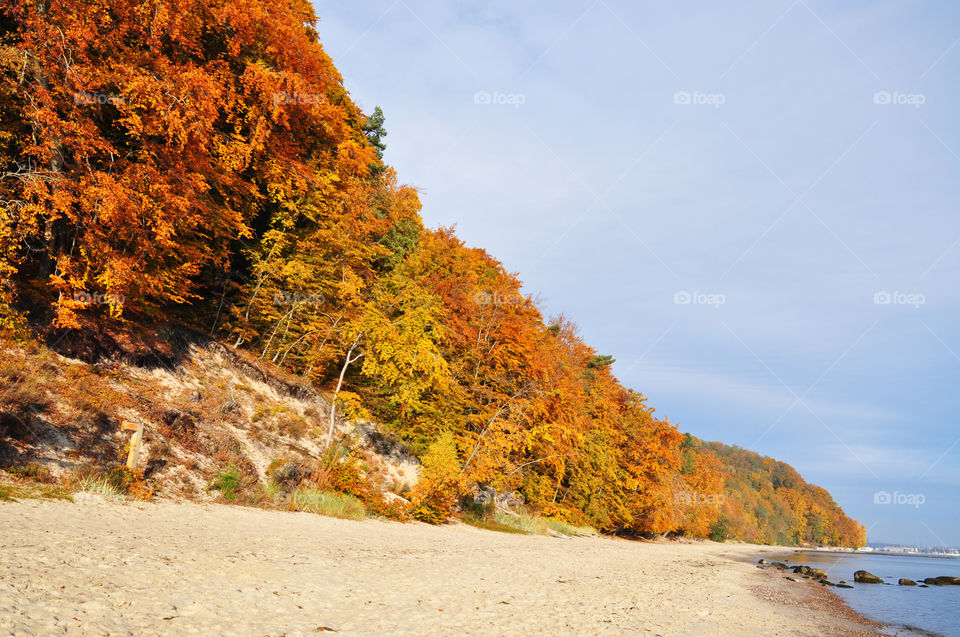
(440, 480)
(352, 407)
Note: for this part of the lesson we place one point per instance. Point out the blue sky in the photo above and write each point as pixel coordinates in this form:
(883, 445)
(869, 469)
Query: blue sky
(752, 206)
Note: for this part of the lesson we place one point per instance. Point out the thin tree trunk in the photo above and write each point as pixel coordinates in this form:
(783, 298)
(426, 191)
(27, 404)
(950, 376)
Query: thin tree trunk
(350, 358)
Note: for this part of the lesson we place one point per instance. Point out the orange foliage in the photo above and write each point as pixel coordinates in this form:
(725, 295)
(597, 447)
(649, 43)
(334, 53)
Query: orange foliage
(201, 161)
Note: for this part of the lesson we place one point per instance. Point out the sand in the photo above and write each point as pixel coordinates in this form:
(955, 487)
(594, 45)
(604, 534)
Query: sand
(95, 567)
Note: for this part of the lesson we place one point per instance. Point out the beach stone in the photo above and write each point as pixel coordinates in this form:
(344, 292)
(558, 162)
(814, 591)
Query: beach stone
(943, 580)
(866, 577)
(844, 586)
(762, 561)
(779, 565)
(906, 582)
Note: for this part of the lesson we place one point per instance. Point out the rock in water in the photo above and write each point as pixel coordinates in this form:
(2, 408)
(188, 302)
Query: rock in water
(906, 582)
(943, 580)
(806, 571)
(866, 577)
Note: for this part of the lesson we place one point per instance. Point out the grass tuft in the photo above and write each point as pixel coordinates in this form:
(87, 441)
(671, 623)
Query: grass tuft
(569, 529)
(535, 525)
(100, 485)
(490, 525)
(329, 503)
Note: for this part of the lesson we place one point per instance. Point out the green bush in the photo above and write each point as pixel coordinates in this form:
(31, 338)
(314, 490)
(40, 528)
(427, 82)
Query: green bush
(227, 482)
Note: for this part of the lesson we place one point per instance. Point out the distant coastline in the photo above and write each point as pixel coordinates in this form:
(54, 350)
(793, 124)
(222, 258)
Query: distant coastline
(862, 551)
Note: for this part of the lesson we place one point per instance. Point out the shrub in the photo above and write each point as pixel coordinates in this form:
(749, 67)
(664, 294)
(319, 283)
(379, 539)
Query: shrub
(338, 505)
(339, 470)
(31, 471)
(227, 482)
(440, 483)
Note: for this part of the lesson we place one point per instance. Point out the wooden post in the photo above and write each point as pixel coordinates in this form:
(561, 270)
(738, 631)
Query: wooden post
(133, 456)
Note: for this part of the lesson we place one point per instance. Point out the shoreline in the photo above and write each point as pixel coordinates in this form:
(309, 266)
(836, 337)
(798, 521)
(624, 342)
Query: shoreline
(157, 568)
(822, 598)
(902, 629)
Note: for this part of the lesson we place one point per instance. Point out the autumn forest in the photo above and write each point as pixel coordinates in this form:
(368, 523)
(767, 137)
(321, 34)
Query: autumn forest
(200, 163)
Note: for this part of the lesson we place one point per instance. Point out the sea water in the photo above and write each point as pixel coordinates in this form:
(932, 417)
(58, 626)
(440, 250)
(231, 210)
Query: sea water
(935, 610)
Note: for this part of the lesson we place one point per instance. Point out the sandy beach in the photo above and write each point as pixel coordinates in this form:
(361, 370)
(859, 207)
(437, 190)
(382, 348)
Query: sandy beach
(95, 567)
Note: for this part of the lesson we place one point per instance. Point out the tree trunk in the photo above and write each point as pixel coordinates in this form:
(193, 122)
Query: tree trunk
(350, 358)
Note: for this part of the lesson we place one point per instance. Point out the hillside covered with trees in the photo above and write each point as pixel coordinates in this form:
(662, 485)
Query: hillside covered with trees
(201, 164)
